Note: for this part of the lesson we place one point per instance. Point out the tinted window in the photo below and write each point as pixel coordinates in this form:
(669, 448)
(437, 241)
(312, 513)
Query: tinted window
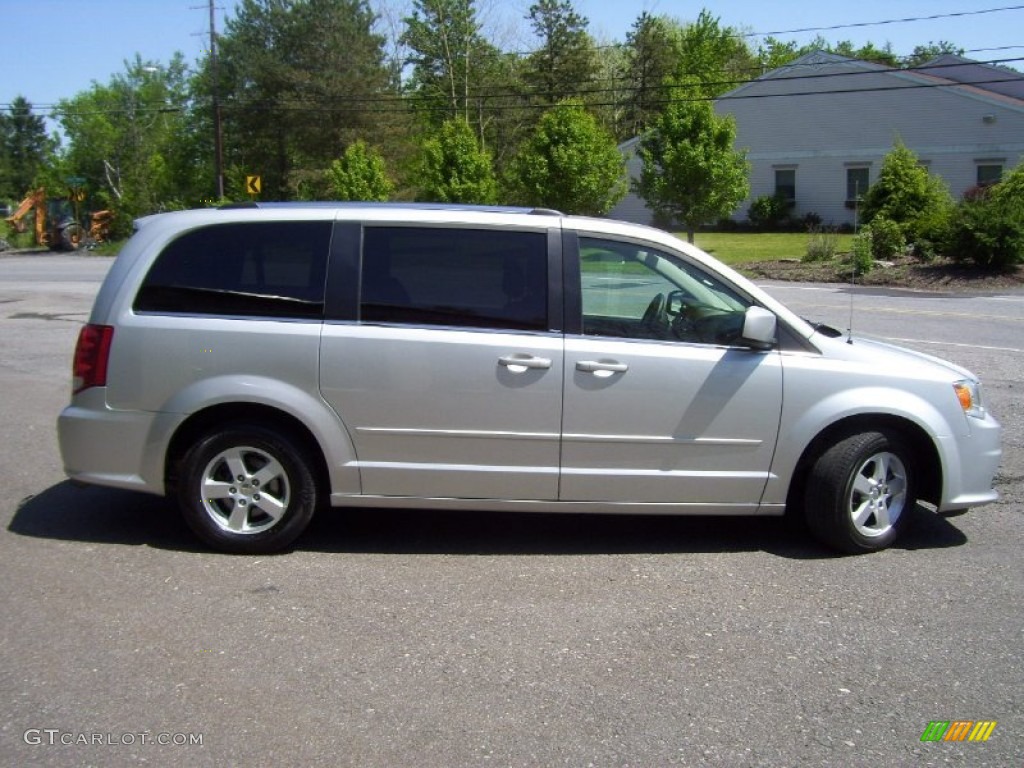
(459, 277)
(262, 269)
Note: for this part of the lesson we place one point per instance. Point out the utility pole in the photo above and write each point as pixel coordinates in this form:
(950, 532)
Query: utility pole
(218, 138)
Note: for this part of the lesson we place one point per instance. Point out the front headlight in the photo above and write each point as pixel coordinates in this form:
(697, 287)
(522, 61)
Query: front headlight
(968, 392)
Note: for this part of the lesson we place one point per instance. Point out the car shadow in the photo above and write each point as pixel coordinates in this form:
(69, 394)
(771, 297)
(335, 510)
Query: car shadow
(109, 516)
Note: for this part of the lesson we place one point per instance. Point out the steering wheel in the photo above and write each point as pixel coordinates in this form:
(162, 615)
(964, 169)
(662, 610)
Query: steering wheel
(654, 315)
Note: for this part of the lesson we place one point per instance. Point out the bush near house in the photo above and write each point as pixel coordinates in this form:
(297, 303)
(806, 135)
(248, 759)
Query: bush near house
(988, 227)
(905, 193)
(769, 212)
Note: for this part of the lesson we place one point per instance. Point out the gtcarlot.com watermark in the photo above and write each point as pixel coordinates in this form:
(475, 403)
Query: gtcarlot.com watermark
(54, 737)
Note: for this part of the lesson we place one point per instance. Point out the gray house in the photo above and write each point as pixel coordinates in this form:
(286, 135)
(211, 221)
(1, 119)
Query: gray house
(817, 130)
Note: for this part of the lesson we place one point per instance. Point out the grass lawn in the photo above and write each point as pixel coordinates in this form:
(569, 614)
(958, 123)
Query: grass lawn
(742, 247)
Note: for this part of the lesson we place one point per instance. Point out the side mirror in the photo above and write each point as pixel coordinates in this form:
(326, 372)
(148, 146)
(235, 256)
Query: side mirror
(759, 326)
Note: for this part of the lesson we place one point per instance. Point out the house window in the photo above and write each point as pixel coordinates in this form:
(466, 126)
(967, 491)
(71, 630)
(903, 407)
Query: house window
(857, 182)
(785, 184)
(989, 174)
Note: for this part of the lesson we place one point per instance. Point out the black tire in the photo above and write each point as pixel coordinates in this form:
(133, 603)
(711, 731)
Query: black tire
(71, 237)
(860, 493)
(247, 489)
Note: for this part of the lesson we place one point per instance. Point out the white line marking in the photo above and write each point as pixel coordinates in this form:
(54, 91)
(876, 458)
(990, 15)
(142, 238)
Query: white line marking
(947, 344)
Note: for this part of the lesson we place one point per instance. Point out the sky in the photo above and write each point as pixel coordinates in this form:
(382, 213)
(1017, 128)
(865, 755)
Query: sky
(54, 49)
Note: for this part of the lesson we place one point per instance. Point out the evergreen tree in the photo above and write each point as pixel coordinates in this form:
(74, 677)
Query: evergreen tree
(454, 169)
(566, 63)
(652, 56)
(904, 193)
(449, 56)
(299, 81)
(24, 149)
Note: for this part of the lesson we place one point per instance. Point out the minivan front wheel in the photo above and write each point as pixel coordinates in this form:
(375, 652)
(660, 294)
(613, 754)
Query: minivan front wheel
(247, 489)
(860, 492)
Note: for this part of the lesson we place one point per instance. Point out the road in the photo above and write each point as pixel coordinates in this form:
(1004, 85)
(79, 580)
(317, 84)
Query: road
(445, 639)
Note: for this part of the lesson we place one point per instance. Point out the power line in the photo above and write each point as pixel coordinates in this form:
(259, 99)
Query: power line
(398, 105)
(517, 91)
(830, 28)
(860, 24)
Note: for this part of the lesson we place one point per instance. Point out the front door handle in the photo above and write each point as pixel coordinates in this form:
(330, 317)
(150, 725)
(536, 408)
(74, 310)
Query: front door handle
(601, 366)
(519, 363)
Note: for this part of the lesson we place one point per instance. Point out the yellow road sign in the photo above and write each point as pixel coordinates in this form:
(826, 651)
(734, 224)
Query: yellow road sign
(252, 185)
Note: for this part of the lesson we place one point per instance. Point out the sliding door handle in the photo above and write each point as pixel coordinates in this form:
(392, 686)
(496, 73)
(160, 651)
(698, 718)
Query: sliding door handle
(601, 366)
(519, 363)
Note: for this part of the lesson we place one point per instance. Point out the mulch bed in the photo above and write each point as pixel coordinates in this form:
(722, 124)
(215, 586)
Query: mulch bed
(910, 274)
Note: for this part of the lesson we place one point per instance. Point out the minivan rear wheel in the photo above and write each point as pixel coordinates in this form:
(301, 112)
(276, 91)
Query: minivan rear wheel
(247, 489)
(860, 492)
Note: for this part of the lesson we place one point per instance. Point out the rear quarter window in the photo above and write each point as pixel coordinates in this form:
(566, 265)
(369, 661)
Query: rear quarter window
(253, 269)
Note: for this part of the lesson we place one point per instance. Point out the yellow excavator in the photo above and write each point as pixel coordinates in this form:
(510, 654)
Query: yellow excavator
(58, 224)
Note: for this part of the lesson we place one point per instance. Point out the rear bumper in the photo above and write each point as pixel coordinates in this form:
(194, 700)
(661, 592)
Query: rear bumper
(101, 446)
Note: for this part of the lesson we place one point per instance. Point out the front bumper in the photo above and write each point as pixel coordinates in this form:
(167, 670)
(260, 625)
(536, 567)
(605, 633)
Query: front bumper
(972, 466)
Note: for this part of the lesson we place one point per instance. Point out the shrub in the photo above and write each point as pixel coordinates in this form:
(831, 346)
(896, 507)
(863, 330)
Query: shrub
(860, 259)
(887, 239)
(811, 220)
(931, 233)
(988, 233)
(988, 228)
(822, 244)
(768, 212)
(360, 174)
(905, 192)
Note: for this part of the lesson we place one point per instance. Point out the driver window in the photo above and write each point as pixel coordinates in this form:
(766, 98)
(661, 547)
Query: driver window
(633, 291)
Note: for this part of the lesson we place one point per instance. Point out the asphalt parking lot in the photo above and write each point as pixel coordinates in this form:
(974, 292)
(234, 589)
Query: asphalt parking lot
(460, 639)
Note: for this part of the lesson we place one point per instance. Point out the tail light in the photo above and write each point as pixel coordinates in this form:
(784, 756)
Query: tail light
(91, 355)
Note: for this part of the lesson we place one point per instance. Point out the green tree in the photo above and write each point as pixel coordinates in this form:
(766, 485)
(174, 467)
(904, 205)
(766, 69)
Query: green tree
(713, 56)
(691, 173)
(610, 100)
(25, 149)
(652, 53)
(450, 58)
(904, 193)
(454, 169)
(924, 53)
(299, 81)
(360, 175)
(570, 163)
(124, 138)
(773, 53)
(867, 52)
(566, 61)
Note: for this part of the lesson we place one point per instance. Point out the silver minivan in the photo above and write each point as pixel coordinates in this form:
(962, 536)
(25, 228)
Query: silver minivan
(258, 363)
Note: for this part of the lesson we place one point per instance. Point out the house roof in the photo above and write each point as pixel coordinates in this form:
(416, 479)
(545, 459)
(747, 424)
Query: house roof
(987, 77)
(828, 72)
